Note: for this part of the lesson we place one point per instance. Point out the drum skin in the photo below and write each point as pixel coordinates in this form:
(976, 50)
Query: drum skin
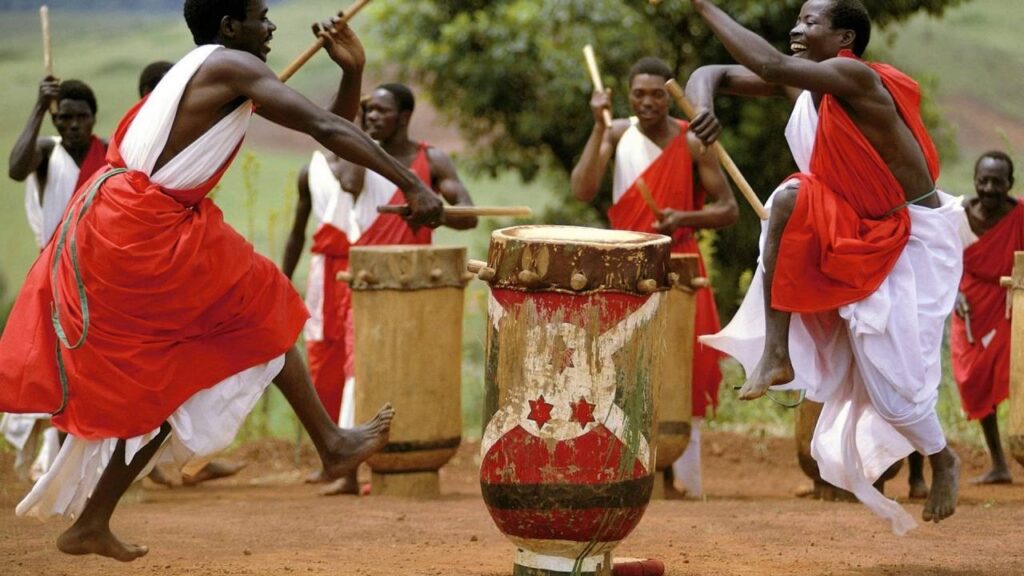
(571, 378)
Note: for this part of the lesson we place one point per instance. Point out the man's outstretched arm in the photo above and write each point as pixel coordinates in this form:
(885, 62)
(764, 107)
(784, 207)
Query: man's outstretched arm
(841, 77)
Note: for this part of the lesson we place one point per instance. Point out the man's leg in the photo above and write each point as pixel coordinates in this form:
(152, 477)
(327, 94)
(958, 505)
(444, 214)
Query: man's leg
(1000, 472)
(918, 485)
(941, 503)
(340, 450)
(775, 366)
(91, 534)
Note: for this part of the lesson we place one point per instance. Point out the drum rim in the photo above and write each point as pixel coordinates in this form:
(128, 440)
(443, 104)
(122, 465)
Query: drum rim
(616, 238)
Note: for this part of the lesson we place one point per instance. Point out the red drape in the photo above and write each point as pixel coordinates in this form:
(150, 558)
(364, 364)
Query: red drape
(841, 241)
(983, 371)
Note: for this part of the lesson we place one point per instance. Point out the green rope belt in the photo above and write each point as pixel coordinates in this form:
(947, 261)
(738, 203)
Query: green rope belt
(62, 338)
(914, 201)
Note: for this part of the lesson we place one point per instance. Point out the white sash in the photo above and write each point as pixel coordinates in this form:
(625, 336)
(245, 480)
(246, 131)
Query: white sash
(634, 154)
(61, 177)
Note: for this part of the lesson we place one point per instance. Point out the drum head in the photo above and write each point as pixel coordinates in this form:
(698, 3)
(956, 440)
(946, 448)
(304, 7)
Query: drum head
(579, 235)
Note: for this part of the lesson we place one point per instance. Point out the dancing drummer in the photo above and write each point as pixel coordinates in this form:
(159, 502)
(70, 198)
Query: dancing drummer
(690, 193)
(839, 302)
(343, 198)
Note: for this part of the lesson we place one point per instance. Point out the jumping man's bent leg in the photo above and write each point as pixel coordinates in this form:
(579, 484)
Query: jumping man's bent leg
(775, 366)
(91, 534)
(341, 449)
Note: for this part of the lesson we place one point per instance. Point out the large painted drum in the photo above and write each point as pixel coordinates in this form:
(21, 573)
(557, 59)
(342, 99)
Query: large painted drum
(407, 306)
(575, 334)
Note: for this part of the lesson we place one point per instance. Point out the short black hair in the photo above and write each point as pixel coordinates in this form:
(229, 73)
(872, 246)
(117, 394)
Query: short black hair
(151, 76)
(402, 94)
(203, 17)
(77, 90)
(852, 15)
(652, 67)
(996, 155)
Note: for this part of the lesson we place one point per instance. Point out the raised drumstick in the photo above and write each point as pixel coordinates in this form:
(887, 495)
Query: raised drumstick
(595, 77)
(299, 62)
(44, 18)
(511, 211)
(723, 157)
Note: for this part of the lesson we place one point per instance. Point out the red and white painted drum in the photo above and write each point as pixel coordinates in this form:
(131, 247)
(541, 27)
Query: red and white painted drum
(575, 335)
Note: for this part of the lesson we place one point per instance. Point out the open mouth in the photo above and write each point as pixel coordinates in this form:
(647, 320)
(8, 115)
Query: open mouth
(797, 47)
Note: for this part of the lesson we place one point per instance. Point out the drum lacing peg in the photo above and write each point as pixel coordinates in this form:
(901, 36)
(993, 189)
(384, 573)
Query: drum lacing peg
(436, 274)
(700, 282)
(480, 268)
(647, 286)
(366, 277)
(675, 281)
(529, 278)
(578, 281)
(343, 277)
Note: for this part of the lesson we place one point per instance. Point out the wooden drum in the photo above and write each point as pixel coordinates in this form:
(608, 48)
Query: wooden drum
(675, 403)
(1015, 432)
(407, 307)
(575, 334)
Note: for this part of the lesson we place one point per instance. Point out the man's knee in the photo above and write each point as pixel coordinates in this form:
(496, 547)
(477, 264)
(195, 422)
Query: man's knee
(785, 200)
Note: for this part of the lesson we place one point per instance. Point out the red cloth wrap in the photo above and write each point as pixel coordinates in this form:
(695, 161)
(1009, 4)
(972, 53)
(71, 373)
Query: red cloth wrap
(840, 244)
(983, 372)
(178, 301)
(670, 180)
(332, 360)
(95, 159)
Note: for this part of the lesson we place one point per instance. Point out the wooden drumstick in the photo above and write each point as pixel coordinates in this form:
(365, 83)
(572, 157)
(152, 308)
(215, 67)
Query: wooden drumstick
(512, 211)
(723, 157)
(648, 197)
(44, 18)
(595, 77)
(299, 62)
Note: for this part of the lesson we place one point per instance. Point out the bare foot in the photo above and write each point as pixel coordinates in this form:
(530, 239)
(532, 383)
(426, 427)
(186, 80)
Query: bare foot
(316, 477)
(941, 503)
(997, 475)
(79, 541)
(349, 485)
(771, 371)
(918, 489)
(357, 444)
(212, 471)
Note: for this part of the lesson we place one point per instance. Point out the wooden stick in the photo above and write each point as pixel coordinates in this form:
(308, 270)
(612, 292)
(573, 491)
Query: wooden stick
(648, 197)
(513, 211)
(44, 18)
(299, 62)
(595, 77)
(723, 157)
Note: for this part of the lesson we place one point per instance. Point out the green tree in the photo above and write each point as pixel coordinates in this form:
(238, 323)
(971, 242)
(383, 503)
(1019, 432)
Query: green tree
(510, 74)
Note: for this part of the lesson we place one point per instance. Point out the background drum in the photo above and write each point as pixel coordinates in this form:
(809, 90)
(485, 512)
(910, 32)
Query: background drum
(407, 303)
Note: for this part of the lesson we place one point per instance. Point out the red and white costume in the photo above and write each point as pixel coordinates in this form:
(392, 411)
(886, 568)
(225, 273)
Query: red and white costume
(186, 323)
(342, 224)
(63, 177)
(871, 284)
(982, 367)
(668, 174)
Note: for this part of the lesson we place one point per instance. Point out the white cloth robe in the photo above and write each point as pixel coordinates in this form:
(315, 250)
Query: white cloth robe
(875, 364)
(208, 421)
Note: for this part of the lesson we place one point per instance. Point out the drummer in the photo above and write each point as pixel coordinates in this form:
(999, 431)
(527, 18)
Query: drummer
(688, 192)
(343, 198)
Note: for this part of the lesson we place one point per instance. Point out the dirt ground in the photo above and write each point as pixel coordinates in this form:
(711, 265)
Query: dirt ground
(266, 521)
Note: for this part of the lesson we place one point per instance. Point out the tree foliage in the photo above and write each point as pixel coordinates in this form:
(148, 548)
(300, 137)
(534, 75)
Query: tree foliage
(510, 74)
